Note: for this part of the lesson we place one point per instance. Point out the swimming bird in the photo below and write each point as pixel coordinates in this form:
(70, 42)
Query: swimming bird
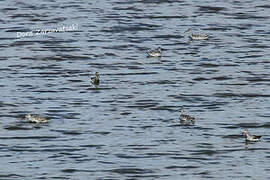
(186, 119)
(250, 137)
(95, 79)
(35, 118)
(197, 36)
(154, 53)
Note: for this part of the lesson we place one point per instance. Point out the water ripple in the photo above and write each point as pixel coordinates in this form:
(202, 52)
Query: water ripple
(128, 127)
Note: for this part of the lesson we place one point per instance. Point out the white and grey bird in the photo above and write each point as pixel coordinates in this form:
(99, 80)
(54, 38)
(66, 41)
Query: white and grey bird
(197, 36)
(35, 118)
(154, 53)
(186, 119)
(250, 137)
(95, 79)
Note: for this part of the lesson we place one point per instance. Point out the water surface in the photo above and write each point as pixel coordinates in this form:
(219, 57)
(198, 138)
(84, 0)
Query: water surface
(128, 127)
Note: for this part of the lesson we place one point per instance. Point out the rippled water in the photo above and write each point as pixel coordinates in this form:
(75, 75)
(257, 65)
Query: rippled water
(128, 127)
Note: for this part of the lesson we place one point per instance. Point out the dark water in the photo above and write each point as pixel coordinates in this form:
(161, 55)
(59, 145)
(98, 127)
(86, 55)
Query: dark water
(128, 127)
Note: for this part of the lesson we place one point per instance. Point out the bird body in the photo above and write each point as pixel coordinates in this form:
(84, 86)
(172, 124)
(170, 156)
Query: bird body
(155, 53)
(250, 137)
(35, 118)
(186, 119)
(95, 79)
(197, 36)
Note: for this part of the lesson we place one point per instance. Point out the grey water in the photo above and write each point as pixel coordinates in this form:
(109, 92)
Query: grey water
(128, 127)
